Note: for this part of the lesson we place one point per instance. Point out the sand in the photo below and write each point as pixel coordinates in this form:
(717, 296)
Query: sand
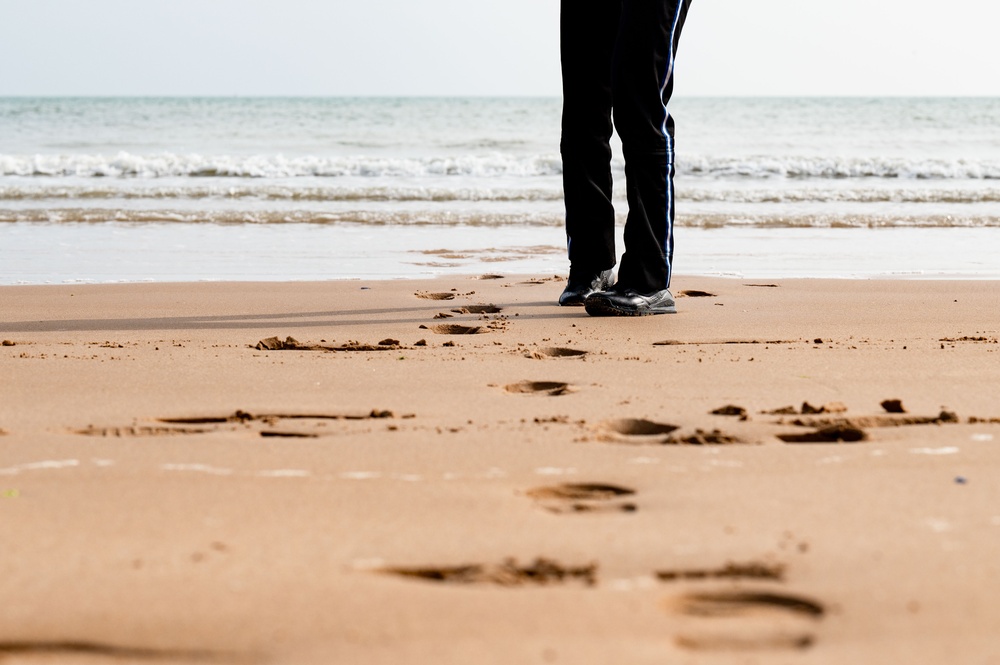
(459, 471)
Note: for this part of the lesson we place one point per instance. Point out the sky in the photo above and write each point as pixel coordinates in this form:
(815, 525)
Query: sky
(482, 47)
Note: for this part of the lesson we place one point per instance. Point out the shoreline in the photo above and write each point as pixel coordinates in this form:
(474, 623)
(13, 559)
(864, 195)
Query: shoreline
(543, 486)
(174, 253)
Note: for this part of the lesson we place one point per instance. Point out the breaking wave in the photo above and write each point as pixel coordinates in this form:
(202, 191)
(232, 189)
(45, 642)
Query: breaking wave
(126, 165)
(839, 168)
(279, 193)
(53, 191)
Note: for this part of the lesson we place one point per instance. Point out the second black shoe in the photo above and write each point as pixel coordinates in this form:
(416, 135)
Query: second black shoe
(577, 289)
(630, 303)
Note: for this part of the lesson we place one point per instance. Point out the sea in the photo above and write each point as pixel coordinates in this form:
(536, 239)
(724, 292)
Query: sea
(101, 190)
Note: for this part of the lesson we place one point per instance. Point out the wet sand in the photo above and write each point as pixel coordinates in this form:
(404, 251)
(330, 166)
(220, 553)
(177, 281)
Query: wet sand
(459, 471)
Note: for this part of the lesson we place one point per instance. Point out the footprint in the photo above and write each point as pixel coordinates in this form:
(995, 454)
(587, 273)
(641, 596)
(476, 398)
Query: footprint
(582, 498)
(265, 424)
(702, 438)
(456, 329)
(641, 431)
(288, 435)
(692, 293)
(556, 352)
(292, 344)
(271, 420)
(861, 422)
(139, 431)
(637, 428)
(748, 621)
(596, 491)
(539, 387)
(807, 409)
(731, 410)
(237, 417)
(543, 572)
(478, 309)
(435, 296)
(893, 406)
(748, 603)
(776, 640)
(830, 434)
(278, 344)
(70, 649)
(754, 570)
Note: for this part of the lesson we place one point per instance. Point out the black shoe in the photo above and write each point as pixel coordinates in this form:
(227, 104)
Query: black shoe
(578, 289)
(630, 303)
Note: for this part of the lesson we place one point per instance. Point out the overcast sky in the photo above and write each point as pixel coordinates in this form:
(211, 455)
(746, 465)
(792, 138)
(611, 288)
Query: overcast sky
(482, 47)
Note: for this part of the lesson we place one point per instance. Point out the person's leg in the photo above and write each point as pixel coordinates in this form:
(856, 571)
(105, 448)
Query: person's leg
(587, 41)
(642, 79)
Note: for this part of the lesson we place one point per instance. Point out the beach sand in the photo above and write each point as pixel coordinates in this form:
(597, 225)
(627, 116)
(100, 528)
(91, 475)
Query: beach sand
(546, 487)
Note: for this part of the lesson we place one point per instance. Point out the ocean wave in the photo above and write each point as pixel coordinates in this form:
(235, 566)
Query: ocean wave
(765, 167)
(837, 221)
(480, 218)
(893, 194)
(265, 192)
(278, 217)
(126, 165)
(498, 164)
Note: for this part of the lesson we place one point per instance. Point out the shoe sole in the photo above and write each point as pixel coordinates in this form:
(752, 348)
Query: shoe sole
(601, 307)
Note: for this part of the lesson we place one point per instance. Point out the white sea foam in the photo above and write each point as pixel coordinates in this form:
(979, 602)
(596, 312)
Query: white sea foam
(758, 167)
(420, 217)
(820, 167)
(276, 193)
(450, 217)
(166, 165)
(360, 192)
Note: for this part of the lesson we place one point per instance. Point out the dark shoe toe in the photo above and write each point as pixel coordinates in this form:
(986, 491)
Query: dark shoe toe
(578, 288)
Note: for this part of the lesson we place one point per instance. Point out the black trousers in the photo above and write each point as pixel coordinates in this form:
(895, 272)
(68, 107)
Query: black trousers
(617, 66)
